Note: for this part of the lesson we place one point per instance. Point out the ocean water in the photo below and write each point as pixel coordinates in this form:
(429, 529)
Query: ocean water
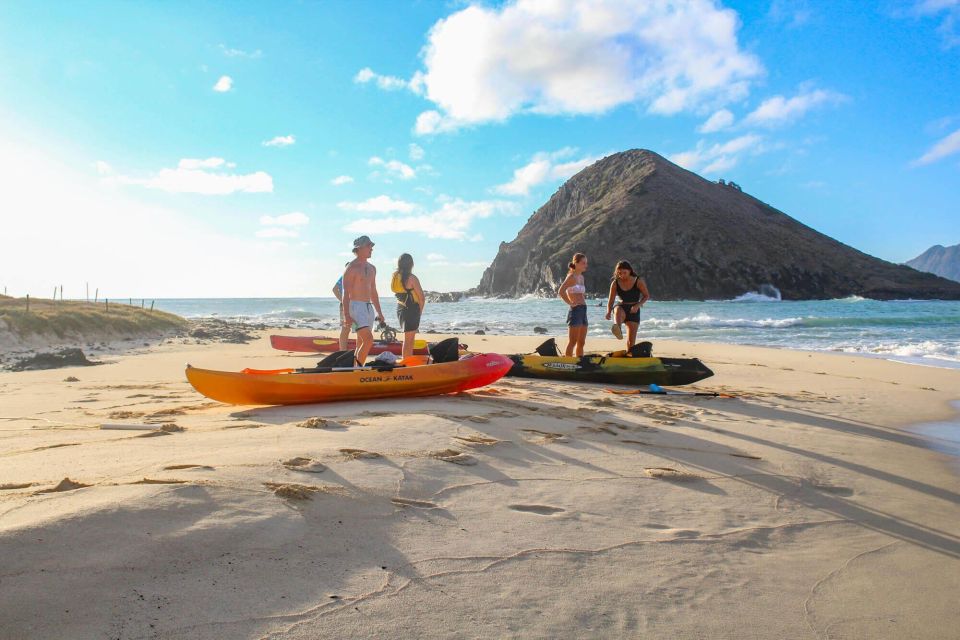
(916, 331)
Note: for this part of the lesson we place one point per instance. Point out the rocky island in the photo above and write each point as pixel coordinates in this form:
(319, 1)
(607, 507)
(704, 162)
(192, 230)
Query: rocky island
(691, 238)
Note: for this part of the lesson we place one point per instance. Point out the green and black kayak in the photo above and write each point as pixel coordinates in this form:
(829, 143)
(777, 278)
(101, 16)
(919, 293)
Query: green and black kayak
(618, 367)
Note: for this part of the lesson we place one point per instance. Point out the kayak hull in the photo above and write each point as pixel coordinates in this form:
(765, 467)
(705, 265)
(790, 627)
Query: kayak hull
(282, 388)
(326, 344)
(610, 370)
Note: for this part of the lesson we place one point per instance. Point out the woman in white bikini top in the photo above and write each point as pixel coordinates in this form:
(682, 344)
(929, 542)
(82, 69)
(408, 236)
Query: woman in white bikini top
(572, 292)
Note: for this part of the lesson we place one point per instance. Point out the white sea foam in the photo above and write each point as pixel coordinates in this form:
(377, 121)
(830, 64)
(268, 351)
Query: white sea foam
(705, 321)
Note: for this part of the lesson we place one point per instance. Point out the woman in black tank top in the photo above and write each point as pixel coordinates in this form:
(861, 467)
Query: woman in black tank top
(632, 291)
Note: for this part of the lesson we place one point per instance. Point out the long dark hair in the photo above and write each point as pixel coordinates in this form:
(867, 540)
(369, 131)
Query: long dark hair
(623, 264)
(577, 257)
(404, 267)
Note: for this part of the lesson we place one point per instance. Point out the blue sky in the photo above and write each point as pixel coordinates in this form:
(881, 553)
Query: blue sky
(174, 149)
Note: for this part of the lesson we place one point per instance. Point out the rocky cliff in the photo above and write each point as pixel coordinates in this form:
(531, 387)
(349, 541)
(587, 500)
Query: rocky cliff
(939, 260)
(690, 238)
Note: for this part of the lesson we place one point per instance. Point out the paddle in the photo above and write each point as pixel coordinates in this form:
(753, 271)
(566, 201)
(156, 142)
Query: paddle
(657, 390)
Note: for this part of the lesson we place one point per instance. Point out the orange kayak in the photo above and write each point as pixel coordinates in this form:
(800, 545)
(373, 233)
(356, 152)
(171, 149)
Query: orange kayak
(286, 386)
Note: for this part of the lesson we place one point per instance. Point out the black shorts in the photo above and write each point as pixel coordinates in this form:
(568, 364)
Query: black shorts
(627, 316)
(577, 316)
(409, 317)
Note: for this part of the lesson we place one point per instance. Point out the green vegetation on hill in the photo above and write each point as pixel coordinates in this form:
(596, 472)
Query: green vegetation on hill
(69, 317)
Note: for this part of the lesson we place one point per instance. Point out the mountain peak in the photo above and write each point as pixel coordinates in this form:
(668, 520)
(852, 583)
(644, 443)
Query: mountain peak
(690, 238)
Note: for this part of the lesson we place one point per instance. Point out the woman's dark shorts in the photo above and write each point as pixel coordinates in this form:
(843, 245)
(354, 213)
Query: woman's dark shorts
(409, 317)
(627, 316)
(577, 316)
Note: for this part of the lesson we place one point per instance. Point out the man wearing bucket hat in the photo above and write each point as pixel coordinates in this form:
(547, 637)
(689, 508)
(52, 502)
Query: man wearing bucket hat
(360, 298)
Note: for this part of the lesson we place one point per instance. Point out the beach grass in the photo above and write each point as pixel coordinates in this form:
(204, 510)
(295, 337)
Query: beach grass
(71, 317)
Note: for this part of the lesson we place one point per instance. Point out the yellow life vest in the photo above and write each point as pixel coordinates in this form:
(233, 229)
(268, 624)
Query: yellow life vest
(404, 295)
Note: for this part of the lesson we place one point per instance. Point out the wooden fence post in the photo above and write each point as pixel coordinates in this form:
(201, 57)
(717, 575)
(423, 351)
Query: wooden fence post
(96, 294)
(28, 303)
(106, 303)
(151, 304)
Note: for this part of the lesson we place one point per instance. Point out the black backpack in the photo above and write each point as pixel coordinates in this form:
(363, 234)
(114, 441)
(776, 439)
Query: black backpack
(445, 351)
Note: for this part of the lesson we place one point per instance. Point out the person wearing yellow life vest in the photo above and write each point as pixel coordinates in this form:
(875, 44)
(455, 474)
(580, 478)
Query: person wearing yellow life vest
(410, 301)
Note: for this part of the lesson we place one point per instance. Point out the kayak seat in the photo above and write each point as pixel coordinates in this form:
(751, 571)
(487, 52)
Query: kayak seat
(642, 350)
(337, 359)
(548, 348)
(445, 351)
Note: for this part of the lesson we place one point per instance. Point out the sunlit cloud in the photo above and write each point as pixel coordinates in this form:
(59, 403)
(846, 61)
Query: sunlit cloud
(203, 176)
(379, 204)
(452, 221)
(394, 168)
(720, 120)
(544, 167)
(224, 84)
(239, 53)
(487, 64)
(780, 110)
(387, 83)
(947, 146)
(717, 157)
(416, 152)
(341, 180)
(280, 141)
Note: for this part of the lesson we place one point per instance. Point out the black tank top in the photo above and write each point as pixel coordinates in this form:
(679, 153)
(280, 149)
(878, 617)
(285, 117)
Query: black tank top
(630, 296)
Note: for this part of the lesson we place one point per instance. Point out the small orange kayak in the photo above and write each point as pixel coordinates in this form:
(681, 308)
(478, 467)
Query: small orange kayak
(285, 386)
(326, 344)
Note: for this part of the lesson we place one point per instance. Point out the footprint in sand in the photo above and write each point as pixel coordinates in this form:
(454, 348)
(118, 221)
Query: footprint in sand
(476, 440)
(158, 481)
(291, 491)
(14, 485)
(602, 402)
(64, 485)
(629, 427)
(503, 413)
(669, 473)
(356, 454)
(454, 456)
(243, 426)
(844, 492)
(377, 414)
(539, 509)
(478, 419)
(175, 467)
(306, 465)
(418, 504)
(592, 429)
(123, 415)
(542, 437)
(57, 446)
(746, 455)
(319, 423)
(654, 525)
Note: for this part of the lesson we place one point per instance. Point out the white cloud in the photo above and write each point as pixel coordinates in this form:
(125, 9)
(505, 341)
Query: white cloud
(951, 18)
(576, 57)
(717, 157)
(452, 221)
(394, 168)
(387, 83)
(379, 204)
(197, 163)
(544, 167)
(436, 258)
(277, 232)
(943, 148)
(224, 84)
(192, 176)
(280, 141)
(340, 180)
(103, 168)
(416, 152)
(294, 219)
(779, 110)
(239, 53)
(719, 120)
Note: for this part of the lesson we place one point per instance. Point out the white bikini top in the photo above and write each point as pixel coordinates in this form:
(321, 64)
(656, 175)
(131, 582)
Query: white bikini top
(577, 288)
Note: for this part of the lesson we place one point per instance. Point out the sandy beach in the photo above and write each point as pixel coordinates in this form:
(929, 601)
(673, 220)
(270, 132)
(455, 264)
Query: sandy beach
(802, 508)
